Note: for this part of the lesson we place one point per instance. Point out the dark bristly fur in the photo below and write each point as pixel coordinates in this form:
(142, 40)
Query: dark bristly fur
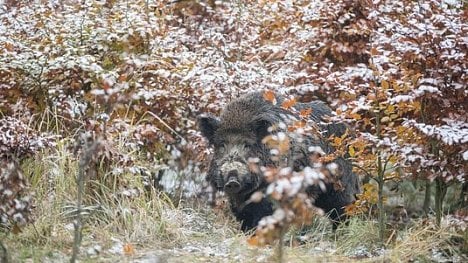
(237, 136)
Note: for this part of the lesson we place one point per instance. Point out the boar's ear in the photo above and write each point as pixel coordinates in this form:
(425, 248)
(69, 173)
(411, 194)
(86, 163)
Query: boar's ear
(260, 127)
(208, 125)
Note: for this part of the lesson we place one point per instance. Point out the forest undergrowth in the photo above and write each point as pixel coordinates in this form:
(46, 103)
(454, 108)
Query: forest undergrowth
(135, 225)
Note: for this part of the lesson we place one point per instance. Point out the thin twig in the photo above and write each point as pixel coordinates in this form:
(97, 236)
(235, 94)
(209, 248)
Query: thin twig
(167, 125)
(87, 156)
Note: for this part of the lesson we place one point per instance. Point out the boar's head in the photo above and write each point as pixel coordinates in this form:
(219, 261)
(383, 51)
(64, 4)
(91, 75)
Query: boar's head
(236, 137)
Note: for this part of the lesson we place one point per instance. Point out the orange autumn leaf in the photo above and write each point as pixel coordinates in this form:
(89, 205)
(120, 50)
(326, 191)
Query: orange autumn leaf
(106, 86)
(296, 125)
(9, 47)
(305, 112)
(275, 195)
(351, 151)
(253, 241)
(355, 209)
(287, 104)
(385, 85)
(122, 78)
(269, 95)
(129, 250)
(283, 146)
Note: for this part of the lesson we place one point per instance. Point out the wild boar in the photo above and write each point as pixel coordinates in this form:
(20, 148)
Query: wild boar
(236, 137)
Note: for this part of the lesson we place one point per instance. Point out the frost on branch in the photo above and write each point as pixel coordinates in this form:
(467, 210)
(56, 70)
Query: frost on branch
(18, 140)
(15, 199)
(450, 133)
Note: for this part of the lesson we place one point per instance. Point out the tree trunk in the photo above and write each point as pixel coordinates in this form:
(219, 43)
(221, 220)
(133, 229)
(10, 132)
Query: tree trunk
(464, 195)
(427, 198)
(280, 248)
(441, 190)
(380, 204)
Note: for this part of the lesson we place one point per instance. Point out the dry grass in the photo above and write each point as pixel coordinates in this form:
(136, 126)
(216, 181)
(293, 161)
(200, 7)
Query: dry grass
(424, 241)
(420, 241)
(108, 214)
(149, 226)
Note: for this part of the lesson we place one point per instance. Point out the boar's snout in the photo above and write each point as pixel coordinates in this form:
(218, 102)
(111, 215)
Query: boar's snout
(233, 185)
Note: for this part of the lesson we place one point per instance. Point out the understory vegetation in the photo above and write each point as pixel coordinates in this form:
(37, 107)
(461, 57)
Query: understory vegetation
(101, 160)
(145, 225)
